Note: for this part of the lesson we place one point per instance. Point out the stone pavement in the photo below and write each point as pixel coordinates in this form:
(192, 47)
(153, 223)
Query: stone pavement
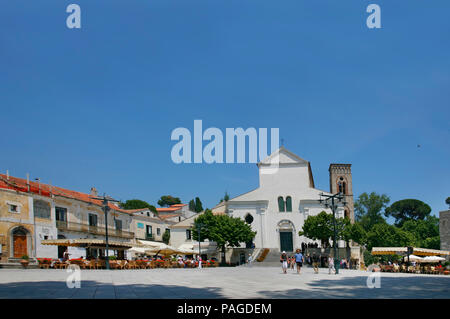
(239, 282)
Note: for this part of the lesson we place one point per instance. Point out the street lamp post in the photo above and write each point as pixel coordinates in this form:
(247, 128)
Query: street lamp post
(330, 201)
(105, 200)
(199, 227)
(106, 210)
(198, 231)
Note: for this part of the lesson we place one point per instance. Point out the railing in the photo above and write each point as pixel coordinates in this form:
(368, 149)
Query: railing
(263, 255)
(84, 228)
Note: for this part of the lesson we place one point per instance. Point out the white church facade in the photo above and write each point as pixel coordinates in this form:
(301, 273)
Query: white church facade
(286, 196)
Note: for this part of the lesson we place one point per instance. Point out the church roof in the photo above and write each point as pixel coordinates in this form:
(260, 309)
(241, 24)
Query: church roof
(282, 156)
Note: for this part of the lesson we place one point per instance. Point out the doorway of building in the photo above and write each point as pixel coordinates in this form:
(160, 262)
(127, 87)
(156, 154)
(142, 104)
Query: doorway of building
(20, 242)
(61, 249)
(242, 258)
(286, 242)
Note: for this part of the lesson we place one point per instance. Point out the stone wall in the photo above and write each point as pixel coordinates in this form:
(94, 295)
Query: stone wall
(444, 229)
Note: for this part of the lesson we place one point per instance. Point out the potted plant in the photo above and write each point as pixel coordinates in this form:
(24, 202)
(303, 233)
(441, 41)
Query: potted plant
(25, 261)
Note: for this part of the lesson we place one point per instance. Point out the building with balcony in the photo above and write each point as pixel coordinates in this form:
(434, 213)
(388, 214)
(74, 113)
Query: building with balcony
(146, 225)
(31, 212)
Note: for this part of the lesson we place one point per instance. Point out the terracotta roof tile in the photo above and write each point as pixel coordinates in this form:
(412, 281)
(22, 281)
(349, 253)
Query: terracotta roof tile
(20, 184)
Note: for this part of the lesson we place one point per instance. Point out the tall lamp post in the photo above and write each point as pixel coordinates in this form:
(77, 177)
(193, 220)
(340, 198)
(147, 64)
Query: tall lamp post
(105, 200)
(199, 227)
(332, 201)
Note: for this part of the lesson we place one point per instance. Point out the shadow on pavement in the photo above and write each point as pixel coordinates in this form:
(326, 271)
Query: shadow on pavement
(356, 287)
(98, 290)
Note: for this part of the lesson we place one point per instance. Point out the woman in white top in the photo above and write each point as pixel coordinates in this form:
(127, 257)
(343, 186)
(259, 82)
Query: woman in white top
(331, 265)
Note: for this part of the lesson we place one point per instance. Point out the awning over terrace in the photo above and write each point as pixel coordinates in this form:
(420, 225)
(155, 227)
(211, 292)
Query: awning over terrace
(88, 243)
(404, 250)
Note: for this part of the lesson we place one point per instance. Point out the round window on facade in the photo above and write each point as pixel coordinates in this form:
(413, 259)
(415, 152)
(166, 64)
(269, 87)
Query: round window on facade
(249, 219)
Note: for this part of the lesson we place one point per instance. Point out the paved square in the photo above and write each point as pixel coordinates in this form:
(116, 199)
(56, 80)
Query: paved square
(239, 282)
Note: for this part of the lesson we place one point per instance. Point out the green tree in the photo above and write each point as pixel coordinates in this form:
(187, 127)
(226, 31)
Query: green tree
(432, 242)
(225, 198)
(168, 200)
(192, 205)
(166, 237)
(447, 201)
(137, 204)
(384, 235)
(319, 227)
(198, 205)
(425, 232)
(357, 233)
(368, 209)
(408, 209)
(225, 230)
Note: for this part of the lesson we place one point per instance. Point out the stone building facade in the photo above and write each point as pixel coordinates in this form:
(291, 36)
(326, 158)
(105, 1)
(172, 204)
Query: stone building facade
(444, 229)
(31, 212)
(341, 181)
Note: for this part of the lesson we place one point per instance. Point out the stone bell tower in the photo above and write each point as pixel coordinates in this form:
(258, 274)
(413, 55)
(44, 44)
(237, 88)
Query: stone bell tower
(341, 181)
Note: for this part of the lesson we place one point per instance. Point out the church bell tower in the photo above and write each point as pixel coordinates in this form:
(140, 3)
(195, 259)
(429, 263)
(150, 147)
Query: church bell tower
(341, 181)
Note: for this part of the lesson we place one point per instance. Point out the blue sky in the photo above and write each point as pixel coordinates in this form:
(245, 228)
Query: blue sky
(96, 106)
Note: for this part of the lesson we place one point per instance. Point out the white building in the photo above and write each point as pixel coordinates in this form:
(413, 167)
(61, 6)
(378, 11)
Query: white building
(286, 196)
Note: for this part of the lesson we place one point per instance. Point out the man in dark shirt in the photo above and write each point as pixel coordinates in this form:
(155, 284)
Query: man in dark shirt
(315, 259)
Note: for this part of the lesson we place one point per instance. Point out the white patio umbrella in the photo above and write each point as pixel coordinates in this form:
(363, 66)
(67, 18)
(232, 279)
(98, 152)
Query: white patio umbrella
(432, 259)
(137, 250)
(414, 258)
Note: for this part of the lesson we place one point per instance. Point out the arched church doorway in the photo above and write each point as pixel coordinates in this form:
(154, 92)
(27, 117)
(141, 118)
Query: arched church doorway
(286, 230)
(20, 242)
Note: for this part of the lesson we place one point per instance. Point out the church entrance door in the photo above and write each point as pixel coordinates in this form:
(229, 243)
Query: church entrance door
(286, 243)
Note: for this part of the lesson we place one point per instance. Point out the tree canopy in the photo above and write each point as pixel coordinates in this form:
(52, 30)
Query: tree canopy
(192, 205)
(447, 201)
(168, 200)
(225, 198)
(198, 205)
(195, 205)
(225, 230)
(425, 232)
(166, 237)
(384, 235)
(137, 204)
(321, 227)
(408, 209)
(368, 209)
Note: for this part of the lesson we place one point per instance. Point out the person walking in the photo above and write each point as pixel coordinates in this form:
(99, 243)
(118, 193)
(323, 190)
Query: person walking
(284, 262)
(331, 265)
(292, 262)
(250, 259)
(299, 260)
(315, 260)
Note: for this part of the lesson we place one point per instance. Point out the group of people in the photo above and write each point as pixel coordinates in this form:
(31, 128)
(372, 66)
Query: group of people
(297, 260)
(290, 262)
(185, 262)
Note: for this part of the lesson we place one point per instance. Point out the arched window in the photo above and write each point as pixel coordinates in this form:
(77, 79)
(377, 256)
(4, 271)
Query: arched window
(289, 204)
(342, 186)
(249, 219)
(281, 204)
